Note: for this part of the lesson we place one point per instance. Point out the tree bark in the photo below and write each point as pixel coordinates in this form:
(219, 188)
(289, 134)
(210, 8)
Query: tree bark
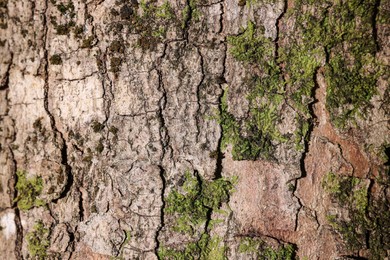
(194, 129)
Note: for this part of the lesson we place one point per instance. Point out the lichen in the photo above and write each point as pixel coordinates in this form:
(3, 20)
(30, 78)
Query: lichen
(28, 191)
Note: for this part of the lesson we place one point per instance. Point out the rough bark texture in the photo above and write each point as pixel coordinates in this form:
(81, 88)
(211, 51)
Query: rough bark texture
(194, 129)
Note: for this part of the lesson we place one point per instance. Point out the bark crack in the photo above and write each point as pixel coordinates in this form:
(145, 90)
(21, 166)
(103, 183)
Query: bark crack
(4, 84)
(57, 133)
(164, 140)
(198, 86)
(162, 216)
(17, 218)
(374, 18)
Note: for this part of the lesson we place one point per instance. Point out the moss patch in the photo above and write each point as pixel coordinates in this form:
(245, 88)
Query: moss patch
(28, 191)
(342, 33)
(262, 250)
(195, 200)
(368, 223)
(257, 135)
(191, 206)
(206, 248)
(335, 36)
(38, 241)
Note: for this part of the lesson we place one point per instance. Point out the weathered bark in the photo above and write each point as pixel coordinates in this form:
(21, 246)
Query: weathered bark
(194, 129)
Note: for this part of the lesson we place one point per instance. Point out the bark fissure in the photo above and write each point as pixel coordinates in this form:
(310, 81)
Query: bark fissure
(17, 218)
(4, 84)
(164, 140)
(307, 138)
(374, 18)
(162, 223)
(108, 94)
(57, 134)
(198, 89)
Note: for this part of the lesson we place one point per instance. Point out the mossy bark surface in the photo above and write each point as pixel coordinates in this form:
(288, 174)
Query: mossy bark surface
(194, 129)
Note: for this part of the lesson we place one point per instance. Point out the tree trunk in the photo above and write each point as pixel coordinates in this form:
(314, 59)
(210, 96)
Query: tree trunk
(194, 129)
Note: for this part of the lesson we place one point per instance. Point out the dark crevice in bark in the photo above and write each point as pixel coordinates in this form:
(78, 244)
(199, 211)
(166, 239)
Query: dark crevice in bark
(164, 135)
(4, 84)
(220, 155)
(70, 246)
(209, 209)
(307, 138)
(63, 146)
(17, 218)
(164, 139)
(310, 105)
(188, 18)
(19, 235)
(108, 94)
(278, 24)
(374, 17)
(198, 87)
(13, 169)
(80, 205)
(370, 200)
(163, 180)
(221, 17)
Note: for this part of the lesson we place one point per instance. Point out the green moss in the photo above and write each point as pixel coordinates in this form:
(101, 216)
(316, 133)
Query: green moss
(56, 59)
(38, 241)
(344, 32)
(253, 138)
(206, 248)
(153, 23)
(28, 191)
(301, 134)
(186, 16)
(345, 189)
(164, 11)
(251, 46)
(189, 13)
(195, 199)
(262, 250)
(191, 205)
(368, 223)
(127, 240)
(349, 91)
(249, 245)
(257, 135)
(287, 252)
